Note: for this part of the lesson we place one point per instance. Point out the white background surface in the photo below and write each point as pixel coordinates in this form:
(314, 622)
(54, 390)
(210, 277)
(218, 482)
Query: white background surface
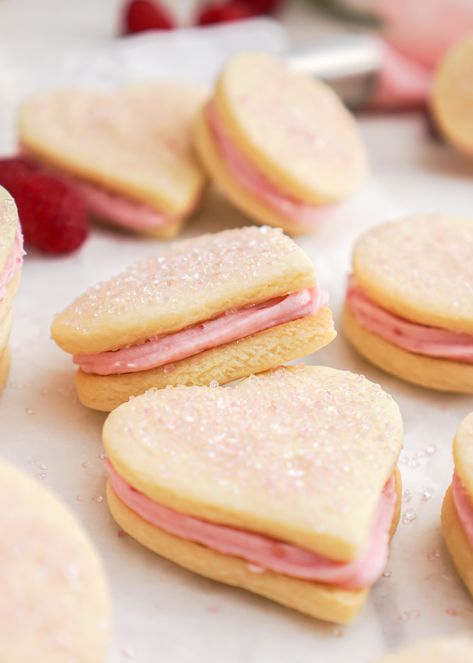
(162, 613)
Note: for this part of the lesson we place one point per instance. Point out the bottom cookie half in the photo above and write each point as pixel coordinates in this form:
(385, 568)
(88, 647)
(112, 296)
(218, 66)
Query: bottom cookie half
(439, 374)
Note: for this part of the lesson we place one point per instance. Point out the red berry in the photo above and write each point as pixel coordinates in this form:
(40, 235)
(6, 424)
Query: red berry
(230, 11)
(53, 215)
(264, 6)
(143, 15)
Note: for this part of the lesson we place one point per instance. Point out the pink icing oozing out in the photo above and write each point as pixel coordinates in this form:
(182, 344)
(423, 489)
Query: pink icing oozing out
(123, 211)
(112, 206)
(257, 184)
(265, 552)
(230, 326)
(411, 336)
(12, 265)
(463, 506)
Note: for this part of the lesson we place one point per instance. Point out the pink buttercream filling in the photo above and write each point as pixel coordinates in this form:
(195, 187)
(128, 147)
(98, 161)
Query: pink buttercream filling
(12, 265)
(463, 507)
(255, 181)
(411, 336)
(104, 203)
(123, 211)
(231, 326)
(264, 552)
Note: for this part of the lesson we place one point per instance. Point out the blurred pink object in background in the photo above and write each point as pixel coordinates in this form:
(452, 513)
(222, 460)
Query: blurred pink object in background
(418, 33)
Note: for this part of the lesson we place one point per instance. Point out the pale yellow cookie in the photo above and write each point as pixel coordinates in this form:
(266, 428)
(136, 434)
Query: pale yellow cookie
(54, 604)
(457, 544)
(194, 282)
(409, 307)
(434, 373)
(453, 649)
(452, 96)
(4, 367)
(302, 142)
(453, 531)
(299, 454)
(6, 304)
(9, 227)
(134, 142)
(11, 256)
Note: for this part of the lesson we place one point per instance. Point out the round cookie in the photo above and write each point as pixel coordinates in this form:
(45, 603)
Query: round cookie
(452, 96)
(303, 145)
(409, 305)
(54, 603)
(455, 649)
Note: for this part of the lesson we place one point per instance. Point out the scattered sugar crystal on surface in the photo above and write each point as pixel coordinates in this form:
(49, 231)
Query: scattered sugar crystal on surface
(387, 574)
(406, 495)
(254, 568)
(128, 652)
(409, 516)
(409, 614)
(426, 495)
(431, 449)
(433, 555)
(166, 279)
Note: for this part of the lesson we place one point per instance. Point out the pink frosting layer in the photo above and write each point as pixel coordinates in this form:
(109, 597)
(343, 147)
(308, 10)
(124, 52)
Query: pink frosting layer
(411, 336)
(107, 204)
(463, 506)
(257, 184)
(231, 326)
(123, 211)
(265, 552)
(12, 265)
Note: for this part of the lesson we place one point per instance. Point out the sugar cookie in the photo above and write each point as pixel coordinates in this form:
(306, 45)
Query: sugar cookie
(409, 305)
(278, 143)
(214, 308)
(285, 484)
(128, 152)
(54, 603)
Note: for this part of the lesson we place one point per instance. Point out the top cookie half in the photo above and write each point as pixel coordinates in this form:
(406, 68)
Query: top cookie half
(134, 141)
(420, 268)
(193, 281)
(292, 127)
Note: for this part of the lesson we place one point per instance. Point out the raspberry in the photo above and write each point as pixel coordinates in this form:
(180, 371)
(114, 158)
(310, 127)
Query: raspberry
(230, 11)
(53, 215)
(143, 15)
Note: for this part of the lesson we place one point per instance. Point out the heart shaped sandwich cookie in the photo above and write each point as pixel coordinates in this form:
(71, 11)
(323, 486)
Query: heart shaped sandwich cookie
(457, 510)
(285, 484)
(11, 258)
(128, 152)
(54, 604)
(458, 649)
(280, 144)
(215, 308)
(409, 305)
